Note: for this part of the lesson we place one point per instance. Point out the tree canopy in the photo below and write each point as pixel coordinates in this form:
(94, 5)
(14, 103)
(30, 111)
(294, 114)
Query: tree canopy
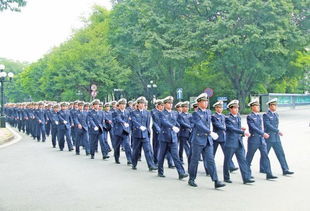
(236, 47)
(13, 5)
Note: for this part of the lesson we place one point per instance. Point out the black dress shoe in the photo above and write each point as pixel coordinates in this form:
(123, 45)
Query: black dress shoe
(54, 146)
(70, 150)
(92, 157)
(129, 163)
(134, 168)
(261, 171)
(271, 177)
(288, 172)
(227, 181)
(192, 183)
(233, 169)
(181, 176)
(248, 181)
(171, 167)
(87, 154)
(153, 168)
(161, 175)
(252, 177)
(117, 162)
(105, 157)
(218, 184)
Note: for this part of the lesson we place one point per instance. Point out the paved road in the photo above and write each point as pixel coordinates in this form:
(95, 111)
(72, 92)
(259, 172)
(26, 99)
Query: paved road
(34, 176)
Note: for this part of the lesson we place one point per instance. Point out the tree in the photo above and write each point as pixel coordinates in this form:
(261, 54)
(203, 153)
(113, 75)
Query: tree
(13, 5)
(13, 90)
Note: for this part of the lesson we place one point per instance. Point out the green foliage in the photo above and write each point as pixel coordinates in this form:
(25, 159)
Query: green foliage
(13, 5)
(236, 47)
(13, 89)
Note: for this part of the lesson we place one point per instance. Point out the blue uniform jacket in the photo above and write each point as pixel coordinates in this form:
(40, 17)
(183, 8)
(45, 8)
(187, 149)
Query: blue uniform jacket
(54, 118)
(40, 115)
(184, 120)
(255, 128)
(81, 117)
(167, 121)
(234, 133)
(64, 115)
(271, 124)
(97, 119)
(156, 120)
(219, 126)
(138, 119)
(201, 130)
(119, 120)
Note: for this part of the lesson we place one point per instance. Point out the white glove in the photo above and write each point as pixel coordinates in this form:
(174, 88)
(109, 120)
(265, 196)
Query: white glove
(126, 124)
(56, 122)
(214, 136)
(65, 122)
(142, 128)
(96, 128)
(175, 129)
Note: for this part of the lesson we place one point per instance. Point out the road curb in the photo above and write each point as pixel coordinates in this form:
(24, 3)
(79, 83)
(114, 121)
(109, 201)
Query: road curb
(11, 140)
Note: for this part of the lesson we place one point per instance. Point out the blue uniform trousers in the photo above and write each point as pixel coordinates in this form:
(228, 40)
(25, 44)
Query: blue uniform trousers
(41, 132)
(208, 159)
(138, 144)
(62, 133)
(184, 145)
(252, 148)
(54, 133)
(240, 155)
(222, 144)
(172, 148)
(117, 144)
(82, 139)
(278, 149)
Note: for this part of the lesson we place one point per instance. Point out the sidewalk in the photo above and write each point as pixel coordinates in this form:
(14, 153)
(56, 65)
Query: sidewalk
(5, 135)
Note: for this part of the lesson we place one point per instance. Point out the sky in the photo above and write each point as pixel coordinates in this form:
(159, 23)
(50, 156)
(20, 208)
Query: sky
(41, 25)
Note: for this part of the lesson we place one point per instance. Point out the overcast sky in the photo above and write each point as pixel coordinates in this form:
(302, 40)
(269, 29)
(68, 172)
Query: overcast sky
(41, 25)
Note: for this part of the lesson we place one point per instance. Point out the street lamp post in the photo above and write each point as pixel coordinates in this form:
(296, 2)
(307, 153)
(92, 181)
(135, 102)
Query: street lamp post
(152, 86)
(3, 78)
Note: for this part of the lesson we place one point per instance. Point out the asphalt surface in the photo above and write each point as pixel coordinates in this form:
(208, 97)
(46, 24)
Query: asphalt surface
(34, 176)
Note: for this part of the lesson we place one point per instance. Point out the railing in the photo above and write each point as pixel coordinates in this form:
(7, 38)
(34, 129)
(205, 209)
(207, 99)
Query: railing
(284, 100)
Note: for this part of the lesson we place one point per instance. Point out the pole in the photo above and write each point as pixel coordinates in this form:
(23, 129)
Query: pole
(2, 118)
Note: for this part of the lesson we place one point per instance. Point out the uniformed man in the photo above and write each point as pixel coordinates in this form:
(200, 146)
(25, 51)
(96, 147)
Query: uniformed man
(73, 110)
(195, 106)
(234, 144)
(54, 120)
(202, 142)
(184, 119)
(140, 120)
(121, 131)
(271, 127)
(97, 130)
(82, 136)
(257, 139)
(168, 138)
(104, 136)
(178, 107)
(159, 106)
(64, 127)
(219, 127)
(40, 118)
(109, 121)
(47, 116)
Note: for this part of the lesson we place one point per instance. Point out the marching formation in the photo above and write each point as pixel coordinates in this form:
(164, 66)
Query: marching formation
(162, 134)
